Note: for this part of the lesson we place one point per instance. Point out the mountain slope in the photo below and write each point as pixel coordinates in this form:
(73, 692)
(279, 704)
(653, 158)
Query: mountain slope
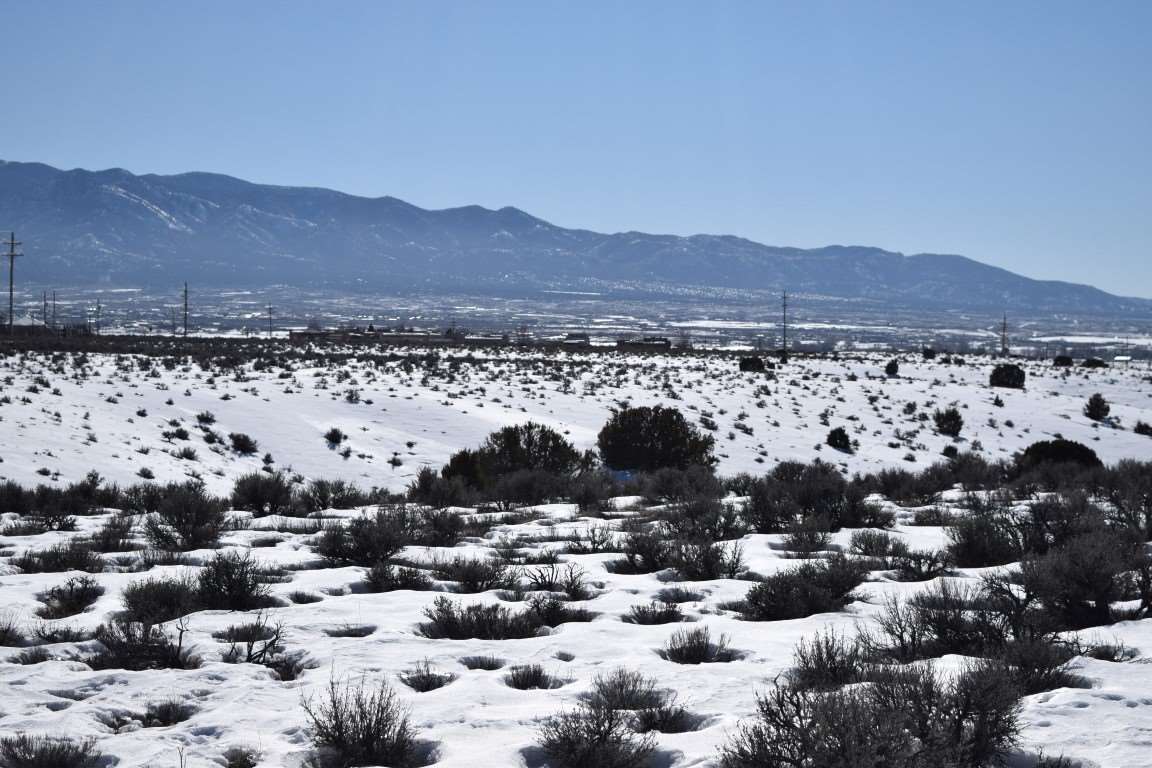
(118, 228)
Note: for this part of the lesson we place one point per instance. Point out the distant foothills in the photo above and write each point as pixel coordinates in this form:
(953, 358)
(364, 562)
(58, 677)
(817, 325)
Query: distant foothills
(119, 229)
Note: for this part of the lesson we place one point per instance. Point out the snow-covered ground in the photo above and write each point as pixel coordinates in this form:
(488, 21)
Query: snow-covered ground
(478, 720)
(111, 420)
(405, 414)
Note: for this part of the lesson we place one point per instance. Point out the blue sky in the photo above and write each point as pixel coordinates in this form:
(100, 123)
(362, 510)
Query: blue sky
(1017, 133)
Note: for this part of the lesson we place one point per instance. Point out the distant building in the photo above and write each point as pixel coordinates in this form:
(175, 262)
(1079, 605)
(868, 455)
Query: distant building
(308, 334)
(645, 344)
(578, 340)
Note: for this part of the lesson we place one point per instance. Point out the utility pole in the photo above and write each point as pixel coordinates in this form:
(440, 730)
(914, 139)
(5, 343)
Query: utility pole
(270, 308)
(12, 243)
(185, 310)
(98, 308)
(784, 314)
(44, 310)
(1004, 336)
(53, 310)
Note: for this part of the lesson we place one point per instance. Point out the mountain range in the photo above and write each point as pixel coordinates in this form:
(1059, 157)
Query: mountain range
(120, 229)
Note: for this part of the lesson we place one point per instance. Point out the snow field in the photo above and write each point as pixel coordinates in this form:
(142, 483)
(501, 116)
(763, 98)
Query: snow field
(60, 418)
(477, 720)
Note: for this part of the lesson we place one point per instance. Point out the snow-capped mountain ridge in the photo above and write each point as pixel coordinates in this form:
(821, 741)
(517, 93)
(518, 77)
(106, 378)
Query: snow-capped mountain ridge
(119, 228)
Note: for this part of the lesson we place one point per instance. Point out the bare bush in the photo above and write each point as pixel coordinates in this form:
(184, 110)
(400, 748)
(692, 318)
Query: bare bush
(423, 678)
(451, 620)
(814, 587)
(187, 518)
(24, 750)
(696, 646)
(594, 737)
(355, 724)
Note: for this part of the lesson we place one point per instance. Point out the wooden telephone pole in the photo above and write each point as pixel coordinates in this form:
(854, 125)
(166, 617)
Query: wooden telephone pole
(185, 310)
(784, 316)
(12, 254)
(1004, 336)
(270, 308)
